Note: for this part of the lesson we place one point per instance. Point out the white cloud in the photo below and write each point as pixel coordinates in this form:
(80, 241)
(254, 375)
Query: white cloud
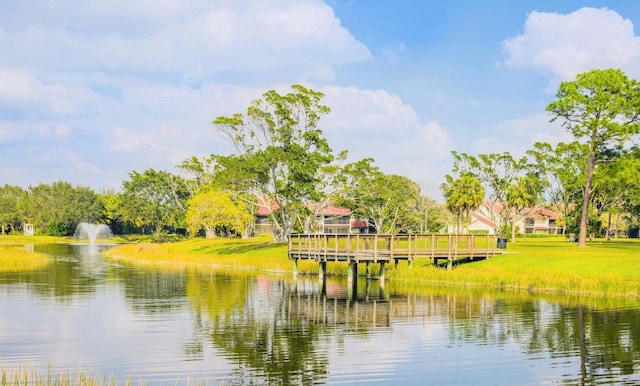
(379, 125)
(565, 45)
(187, 41)
(518, 135)
(17, 84)
(437, 142)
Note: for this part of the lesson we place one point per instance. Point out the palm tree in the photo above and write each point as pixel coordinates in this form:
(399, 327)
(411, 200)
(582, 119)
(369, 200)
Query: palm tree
(522, 194)
(463, 195)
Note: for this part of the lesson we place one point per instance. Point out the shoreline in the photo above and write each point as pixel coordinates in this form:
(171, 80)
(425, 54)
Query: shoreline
(548, 265)
(541, 266)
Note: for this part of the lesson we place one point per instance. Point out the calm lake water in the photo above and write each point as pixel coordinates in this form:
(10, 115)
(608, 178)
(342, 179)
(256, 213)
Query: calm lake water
(85, 312)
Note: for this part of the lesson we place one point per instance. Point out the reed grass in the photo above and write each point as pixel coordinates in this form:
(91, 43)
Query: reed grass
(546, 265)
(29, 377)
(20, 259)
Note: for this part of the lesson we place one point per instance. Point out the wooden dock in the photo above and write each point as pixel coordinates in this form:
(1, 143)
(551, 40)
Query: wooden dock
(388, 248)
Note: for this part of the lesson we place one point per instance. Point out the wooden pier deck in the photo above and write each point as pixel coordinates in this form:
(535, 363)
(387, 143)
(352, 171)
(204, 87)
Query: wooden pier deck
(389, 248)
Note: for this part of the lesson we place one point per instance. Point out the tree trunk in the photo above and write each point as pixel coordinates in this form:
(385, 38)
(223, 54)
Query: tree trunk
(210, 233)
(582, 237)
(513, 226)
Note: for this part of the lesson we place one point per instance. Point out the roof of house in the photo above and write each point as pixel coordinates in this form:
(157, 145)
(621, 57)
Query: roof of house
(537, 212)
(329, 210)
(264, 209)
(484, 220)
(540, 212)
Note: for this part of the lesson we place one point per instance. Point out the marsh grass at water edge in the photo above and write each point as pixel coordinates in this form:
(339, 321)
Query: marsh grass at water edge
(548, 265)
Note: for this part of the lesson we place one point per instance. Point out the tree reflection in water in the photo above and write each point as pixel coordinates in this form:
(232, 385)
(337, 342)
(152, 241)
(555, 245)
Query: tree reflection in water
(296, 332)
(278, 335)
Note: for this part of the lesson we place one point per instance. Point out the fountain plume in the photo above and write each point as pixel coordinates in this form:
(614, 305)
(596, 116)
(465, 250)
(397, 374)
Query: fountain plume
(92, 232)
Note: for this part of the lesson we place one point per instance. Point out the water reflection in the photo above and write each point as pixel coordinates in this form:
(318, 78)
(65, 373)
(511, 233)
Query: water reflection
(167, 326)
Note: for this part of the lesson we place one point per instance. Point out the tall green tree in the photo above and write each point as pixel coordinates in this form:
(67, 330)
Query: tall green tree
(10, 216)
(562, 170)
(112, 216)
(388, 201)
(280, 153)
(601, 108)
(524, 193)
(211, 210)
(57, 208)
(202, 172)
(463, 195)
(154, 200)
(615, 183)
(498, 172)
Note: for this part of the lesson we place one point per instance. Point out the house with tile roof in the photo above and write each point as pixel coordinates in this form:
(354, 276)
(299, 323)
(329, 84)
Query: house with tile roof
(325, 218)
(536, 220)
(540, 220)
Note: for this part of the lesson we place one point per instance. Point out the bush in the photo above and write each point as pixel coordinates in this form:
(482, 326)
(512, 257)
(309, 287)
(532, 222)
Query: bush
(57, 229)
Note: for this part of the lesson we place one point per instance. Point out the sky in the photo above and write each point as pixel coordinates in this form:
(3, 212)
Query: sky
(93, 90)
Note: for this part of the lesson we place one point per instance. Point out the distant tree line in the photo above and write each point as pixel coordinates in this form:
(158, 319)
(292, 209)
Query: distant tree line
(282, 164)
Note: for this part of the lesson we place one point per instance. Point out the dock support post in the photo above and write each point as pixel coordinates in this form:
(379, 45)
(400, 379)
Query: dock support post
(410, 263)
(449, 264)
(322, 286)
(381, 275)
(322, 269)
(353, 271)
(295, 267)
(352, 290)
(368, 270)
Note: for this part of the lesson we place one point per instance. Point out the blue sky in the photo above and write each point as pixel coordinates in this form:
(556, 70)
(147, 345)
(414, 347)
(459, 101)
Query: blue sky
(91, 90)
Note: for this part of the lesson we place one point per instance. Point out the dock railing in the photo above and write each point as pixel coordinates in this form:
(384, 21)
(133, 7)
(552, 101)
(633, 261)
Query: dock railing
(386, 248)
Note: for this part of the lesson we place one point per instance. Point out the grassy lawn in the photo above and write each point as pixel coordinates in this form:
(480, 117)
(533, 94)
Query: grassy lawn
(546, 265)
(30, 240)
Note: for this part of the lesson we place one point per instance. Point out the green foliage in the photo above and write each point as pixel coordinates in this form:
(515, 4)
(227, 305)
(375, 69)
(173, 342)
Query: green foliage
(562, 168)
(154, 200)
(10, 214)
(59, 207)
(111, 203)
(211, 210)
(57, 229)
(523, 193)
(391, 202)
(281, 153)
(463, 195)
(602, 108)
(509, 183)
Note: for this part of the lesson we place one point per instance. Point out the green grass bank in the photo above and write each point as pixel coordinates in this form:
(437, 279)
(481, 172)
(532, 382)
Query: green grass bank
(540, 265)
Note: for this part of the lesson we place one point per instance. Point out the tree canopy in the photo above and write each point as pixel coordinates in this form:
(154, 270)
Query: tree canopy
(601, 108)
(462, 195)
(280, 153)
(154, 200)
